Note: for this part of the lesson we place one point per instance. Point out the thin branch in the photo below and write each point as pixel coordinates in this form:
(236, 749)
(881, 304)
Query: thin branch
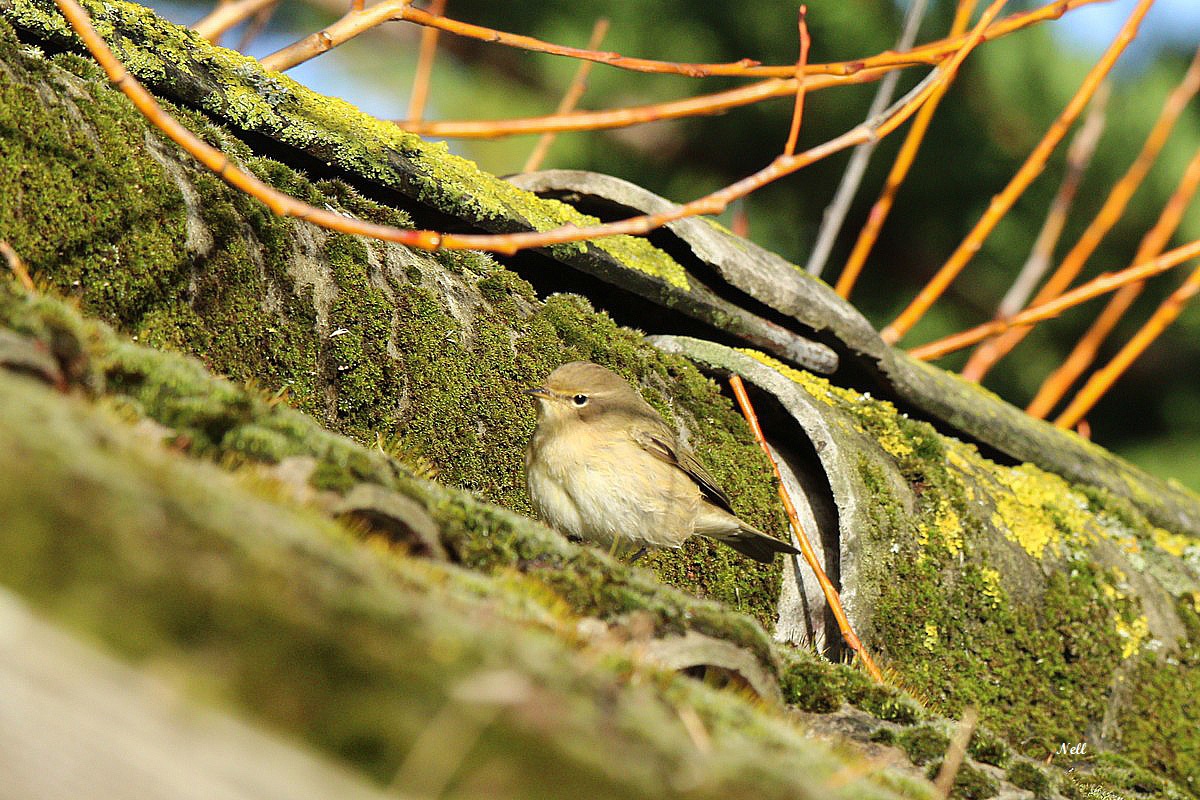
(1084, 352)
(429, 42)
(1052, 308)
(570, 99)
(810, 555)
(19, 270)
(714, 203)
(835, 213)
(933, 52)
(1114, 205)
(1104, 378)
(798, 106)
(1079, 155)
(359, 20)
(227, 15)
(715, 103)
(256, 26)
(904, 160)
(1032, 167)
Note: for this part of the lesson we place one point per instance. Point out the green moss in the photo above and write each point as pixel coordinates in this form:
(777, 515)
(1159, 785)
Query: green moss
(970, 783)
(1168, 743)
(1122, 774)
(992, 594)
(233, 424)
(882, 735)
(988, 748)
(923, 743)
(1026, 775)
(234, 88)
(257, 605)
(814, 684)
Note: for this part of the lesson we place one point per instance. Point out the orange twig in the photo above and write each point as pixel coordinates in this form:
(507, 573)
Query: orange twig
(715, 103)
(569, 99)
(1114, 205)
(810, 555)
(19, 271)
(798, 107)
(934, 52)
(256, 26)
(1052, 308)
(429, 42)
(1079, 154)
(904, 160)
(1104, 378)
(1152, 244)
(359, 20)
(1032, 167)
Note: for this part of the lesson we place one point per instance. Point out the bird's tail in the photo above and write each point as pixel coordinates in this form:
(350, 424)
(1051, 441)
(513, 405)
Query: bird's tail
(756, 544)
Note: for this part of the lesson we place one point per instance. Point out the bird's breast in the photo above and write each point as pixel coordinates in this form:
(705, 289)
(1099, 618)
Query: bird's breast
(600, 488)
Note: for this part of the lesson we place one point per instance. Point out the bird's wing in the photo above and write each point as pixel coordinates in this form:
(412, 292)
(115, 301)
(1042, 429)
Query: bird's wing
(662, 445)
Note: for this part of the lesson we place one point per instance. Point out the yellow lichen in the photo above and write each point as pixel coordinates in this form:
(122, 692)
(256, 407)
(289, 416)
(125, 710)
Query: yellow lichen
(949, 525)
(1174, 543)
(1039, 509)
(1133, 634)
(991, 586)
(931, 637)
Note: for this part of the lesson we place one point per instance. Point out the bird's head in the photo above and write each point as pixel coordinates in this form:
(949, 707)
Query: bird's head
(581, 390)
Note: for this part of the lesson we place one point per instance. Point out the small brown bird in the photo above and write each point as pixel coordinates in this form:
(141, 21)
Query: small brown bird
(604, 466)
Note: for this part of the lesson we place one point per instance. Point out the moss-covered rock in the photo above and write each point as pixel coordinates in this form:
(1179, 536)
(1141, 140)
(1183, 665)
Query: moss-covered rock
(269, 608)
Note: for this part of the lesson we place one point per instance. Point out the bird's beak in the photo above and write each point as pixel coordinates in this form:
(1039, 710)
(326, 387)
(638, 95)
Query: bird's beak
(540, 392)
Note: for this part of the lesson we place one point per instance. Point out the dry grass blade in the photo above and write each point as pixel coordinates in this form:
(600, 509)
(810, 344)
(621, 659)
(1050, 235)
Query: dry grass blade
(952, 762)
(1032, 167)
(19, 270)
(904, 160)
(810, 555)
(570, 99)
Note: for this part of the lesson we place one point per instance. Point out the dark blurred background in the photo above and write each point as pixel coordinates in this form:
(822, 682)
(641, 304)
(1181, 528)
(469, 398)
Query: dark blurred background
(1008, 93)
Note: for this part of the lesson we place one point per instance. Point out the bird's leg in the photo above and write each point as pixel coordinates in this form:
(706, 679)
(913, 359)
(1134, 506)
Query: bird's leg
(612, 548)
(641, 551)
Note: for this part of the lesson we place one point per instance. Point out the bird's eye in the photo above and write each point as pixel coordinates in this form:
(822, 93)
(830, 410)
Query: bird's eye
(580, 400)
